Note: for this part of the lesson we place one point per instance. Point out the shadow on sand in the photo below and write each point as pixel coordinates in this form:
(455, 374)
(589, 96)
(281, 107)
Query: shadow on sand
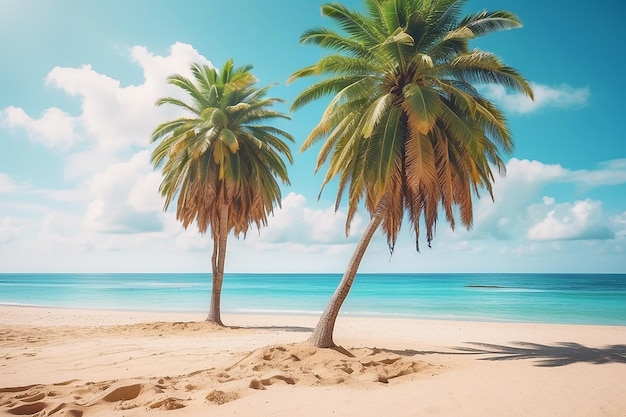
(559, 354)
(281, 328)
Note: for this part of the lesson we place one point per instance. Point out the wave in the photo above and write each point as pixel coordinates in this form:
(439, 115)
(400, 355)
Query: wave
(504, 288)
(273, 311)
(484, 286)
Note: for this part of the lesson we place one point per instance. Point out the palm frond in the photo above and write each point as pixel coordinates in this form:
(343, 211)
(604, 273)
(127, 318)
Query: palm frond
(480, 67)
(327, 38)
(385, 151)
(421, 104)
(323, 89)
(176, 102)
(353, 23)
(485, 22)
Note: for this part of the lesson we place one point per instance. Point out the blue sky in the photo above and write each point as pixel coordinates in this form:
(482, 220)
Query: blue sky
(78, 82)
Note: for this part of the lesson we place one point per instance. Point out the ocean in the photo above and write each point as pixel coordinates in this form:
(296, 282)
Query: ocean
(541, 298)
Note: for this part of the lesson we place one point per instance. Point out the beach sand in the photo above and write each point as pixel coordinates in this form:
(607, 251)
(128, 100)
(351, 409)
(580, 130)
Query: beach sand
(73, 363)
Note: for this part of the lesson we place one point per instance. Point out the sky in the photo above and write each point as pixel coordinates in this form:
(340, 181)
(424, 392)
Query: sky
(78, 83)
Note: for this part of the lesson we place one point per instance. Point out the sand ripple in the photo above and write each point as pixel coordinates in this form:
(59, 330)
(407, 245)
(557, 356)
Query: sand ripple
(260, 369)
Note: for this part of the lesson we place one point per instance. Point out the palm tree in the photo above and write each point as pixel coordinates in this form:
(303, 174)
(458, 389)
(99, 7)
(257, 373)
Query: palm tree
(222, 161)
(406, 129)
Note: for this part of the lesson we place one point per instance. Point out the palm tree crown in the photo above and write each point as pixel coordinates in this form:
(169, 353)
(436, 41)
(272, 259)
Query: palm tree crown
(406, 122)
(223, 153)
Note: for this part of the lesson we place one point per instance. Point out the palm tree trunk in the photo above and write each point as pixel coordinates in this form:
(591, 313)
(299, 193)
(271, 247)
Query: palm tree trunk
(218, 261)
(215, 237)
(322, 336)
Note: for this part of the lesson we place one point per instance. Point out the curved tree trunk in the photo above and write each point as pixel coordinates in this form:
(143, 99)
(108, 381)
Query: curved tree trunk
(322, 336)
(217, 260)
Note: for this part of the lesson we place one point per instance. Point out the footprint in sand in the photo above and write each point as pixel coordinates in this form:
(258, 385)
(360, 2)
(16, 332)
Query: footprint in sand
(125, 393)
(169, 403)
(220, 397)
(265, 382)
(27, 409)
(68, 413)
(17, 389)
(32, 398)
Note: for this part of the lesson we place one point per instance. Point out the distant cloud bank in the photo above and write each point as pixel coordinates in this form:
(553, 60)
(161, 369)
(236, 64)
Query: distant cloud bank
(562, 96)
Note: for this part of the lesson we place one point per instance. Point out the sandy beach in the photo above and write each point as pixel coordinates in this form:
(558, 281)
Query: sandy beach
(56, 362)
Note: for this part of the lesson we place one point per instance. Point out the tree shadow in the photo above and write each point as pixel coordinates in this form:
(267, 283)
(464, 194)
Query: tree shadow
(410, 352)
(560, 354)
(280, 328)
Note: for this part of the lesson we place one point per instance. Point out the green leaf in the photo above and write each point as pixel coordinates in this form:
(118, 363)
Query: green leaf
(374, 113)
(422, 106)
(399, 37)
(229, 139)
(390, 150)
(219, 118)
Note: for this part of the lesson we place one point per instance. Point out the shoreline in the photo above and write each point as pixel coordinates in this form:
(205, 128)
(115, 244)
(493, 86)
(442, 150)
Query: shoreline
(112, 363)
(292, 313)
(36, 316)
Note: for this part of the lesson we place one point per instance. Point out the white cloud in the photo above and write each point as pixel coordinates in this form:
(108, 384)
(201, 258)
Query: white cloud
(292, 227)
(7, 185)
(516, 214)
(298, 238)
(144, 196)
(125, 200)
(55, 128)
(581, 220)
(562, 96)
(114, 120)
(62, 232)
(58, 223)
(298, 224)
(609, 173)
(191, 240)
(10, 230)
(157, 68)
(72, 195)
(84, 164)
(119, 117)
(506, 216)
(116, 187)
(618, 224)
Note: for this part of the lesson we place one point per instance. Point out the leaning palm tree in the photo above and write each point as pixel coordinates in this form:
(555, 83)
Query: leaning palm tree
(406, 129)
(222, 161)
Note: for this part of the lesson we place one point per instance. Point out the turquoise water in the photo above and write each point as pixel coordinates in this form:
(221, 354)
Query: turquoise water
(547, 298)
